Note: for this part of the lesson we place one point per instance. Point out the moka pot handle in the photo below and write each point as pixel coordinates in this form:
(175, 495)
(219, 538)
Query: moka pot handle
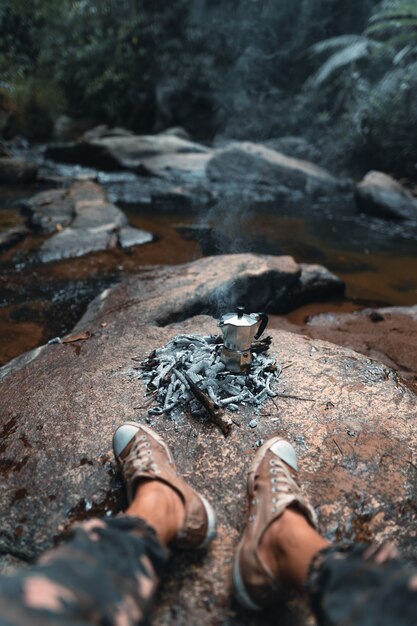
(264, 322)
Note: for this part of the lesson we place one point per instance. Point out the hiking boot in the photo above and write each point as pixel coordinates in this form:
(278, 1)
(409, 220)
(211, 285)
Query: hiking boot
(142, 454)
(272, 488)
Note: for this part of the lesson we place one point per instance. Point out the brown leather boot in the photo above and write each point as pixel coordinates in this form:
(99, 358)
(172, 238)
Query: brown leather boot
(272, 487)
(142, 454)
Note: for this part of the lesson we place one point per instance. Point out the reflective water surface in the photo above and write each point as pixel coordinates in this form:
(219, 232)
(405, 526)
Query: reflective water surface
(376, 259)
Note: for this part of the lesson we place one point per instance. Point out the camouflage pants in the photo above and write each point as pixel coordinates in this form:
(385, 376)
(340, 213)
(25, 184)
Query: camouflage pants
(108, 573)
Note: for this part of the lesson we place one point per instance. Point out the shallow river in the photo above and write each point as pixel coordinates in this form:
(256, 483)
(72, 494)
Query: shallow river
(376, 259)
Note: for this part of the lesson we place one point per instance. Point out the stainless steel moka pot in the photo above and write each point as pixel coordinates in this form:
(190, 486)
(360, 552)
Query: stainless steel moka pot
(239, 330)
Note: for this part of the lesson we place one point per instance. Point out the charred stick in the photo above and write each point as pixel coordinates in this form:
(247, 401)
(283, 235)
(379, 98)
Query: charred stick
(261, 345)
(216, 413)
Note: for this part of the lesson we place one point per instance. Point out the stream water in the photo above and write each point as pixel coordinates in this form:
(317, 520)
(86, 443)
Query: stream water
(376, 259)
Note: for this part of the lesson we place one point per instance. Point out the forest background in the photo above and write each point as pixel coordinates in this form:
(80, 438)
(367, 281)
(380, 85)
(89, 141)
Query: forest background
(343, 75)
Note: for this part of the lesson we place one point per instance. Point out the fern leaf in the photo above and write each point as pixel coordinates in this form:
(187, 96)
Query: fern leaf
(402, 54)
(403, 12)
(348, 55)
(402, 39)
(342, 41)
(382, 26)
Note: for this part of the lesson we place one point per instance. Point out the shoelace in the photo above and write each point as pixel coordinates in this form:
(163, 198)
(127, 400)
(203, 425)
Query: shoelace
(140, 458)
(283, 484)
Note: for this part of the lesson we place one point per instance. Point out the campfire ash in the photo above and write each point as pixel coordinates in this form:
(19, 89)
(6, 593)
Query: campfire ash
(188, 373)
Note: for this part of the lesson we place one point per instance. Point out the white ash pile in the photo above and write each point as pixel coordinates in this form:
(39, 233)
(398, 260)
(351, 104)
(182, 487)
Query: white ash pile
(188, 372)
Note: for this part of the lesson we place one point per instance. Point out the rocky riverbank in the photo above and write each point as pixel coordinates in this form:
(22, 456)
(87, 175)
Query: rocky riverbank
(350, 418)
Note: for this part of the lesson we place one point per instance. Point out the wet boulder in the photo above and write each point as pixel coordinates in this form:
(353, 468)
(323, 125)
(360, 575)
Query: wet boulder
(255, 165)
(14, 170)
(85, 221)
(219, 283)
(351, 419)
(381, 195)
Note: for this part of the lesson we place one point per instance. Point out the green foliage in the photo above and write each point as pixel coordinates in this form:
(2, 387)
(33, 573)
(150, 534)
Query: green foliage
(349, 49)
(29, 106)
(389, 120)
(368, 79)
(250, 69)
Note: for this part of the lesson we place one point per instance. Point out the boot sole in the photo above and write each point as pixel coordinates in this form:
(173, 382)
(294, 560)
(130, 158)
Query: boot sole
(211, 523)
(239, 589)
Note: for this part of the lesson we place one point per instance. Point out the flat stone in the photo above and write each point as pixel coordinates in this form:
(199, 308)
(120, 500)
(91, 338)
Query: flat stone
(129, 236)
(14, 170)
(255, 164)
(50, 209)
(97, 225)
(186, 168)
(379, 194)
(62, 404)
(120, 152)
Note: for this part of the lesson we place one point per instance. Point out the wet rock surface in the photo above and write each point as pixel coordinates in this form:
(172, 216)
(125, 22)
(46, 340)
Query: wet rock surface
(169, 164)
(258, 165)
(119, 149)
(216, 284)
(381, 195)
(50, 209)
(351, 419)
(85, 221)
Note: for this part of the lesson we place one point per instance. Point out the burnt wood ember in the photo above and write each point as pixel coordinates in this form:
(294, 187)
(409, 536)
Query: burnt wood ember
(216, 413)
(188, 373)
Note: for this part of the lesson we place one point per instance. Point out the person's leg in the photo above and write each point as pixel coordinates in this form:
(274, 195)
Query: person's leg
(362, 585)
(108, 571)
(281, 550)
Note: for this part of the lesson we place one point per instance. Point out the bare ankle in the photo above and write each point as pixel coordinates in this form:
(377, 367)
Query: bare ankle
(288, 547)
(160, 506)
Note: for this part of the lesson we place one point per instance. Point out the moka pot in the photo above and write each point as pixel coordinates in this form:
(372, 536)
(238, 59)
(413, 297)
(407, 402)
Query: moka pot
(239, 331)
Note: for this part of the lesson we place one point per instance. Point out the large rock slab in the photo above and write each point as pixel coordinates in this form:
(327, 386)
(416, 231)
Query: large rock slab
(383, 196)
(218, 283)
(254, 164)
(237, 172)
(85, 220)
(14, 170)
(351, 419)
(121, 150)
(185, 168)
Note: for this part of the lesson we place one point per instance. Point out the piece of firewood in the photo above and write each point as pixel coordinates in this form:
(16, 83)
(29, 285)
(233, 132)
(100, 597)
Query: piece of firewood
(216, 413)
